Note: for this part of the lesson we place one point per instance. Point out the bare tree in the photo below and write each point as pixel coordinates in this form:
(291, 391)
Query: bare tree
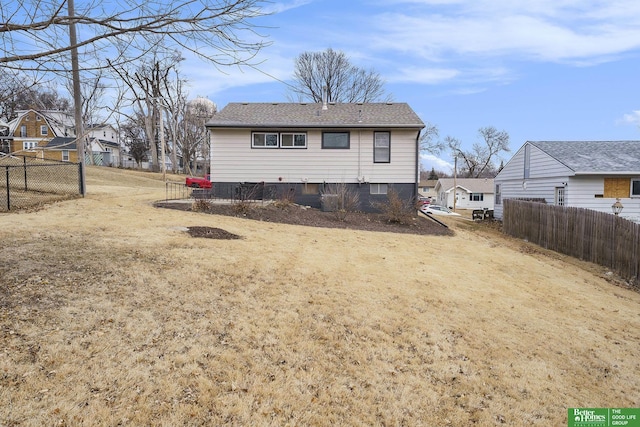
(135, 140)
(35, 32)
(478, 162)
(330, 76)
(19, 91)
(428, 140)
(196, 142)
(146, 91)
(41, 35)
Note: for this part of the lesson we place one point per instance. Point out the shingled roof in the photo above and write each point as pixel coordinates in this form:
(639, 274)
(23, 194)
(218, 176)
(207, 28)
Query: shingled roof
(312, 115)
(588, 157)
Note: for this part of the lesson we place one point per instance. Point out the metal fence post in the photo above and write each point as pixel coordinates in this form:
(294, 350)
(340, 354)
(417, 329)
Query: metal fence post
(80, 181)
(24, 160)
(8, 191)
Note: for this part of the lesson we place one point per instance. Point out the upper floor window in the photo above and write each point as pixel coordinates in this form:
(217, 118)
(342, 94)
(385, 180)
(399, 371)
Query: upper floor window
(527, 161)
(28, 145)
(293, 140)
(264, 140)
(381, 147)
(23, 131)
(65, 155)
(335, 140)
(44, 130)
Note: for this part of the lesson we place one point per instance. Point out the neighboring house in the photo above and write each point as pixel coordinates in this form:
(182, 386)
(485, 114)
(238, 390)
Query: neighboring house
(65, 149)
(105, 144)
(62, 148)
(470, 193)
(32, 130)
(428, 188)
(4, 137)
(304, 148)
(585, 174)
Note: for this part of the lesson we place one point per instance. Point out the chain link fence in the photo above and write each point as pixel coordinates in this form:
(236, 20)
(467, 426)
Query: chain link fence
(27, 181)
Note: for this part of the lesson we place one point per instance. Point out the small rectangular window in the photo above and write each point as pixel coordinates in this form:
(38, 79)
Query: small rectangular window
(44, 130)
(560, 196)
(527, 161)
(498, 196)
(338, 140)
(381, 147)
(293, 140)
(378, 188)
(264, 140)
(65, 155)
(635, 187)
(23, 131)
(476, 197)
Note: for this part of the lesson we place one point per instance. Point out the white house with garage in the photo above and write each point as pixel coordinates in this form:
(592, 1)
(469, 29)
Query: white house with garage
(469, 193)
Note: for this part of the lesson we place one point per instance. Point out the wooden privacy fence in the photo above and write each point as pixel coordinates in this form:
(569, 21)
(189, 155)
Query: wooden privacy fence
(598, 237)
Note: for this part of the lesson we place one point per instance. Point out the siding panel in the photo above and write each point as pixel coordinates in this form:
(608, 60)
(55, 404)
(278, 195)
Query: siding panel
(233, 159)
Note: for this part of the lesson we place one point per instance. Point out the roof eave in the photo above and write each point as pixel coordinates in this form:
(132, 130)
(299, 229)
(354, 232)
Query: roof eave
(313, 126)
(604, 173)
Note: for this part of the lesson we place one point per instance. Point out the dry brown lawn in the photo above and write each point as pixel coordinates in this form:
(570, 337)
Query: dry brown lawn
(112, 314)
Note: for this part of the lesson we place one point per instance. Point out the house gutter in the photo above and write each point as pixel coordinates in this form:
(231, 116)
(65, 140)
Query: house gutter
(416, 187)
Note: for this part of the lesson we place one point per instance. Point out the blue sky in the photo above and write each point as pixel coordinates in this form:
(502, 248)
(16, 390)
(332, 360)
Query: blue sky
(538, 69)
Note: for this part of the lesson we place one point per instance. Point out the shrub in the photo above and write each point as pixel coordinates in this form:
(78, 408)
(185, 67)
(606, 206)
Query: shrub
(341, 200)
(201, 205)
(396, 209)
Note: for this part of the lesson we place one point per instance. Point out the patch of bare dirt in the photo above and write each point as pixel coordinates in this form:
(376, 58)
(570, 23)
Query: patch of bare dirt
(212, 233)
(301, 215)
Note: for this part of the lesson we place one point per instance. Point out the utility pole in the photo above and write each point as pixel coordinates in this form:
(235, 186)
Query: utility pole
(455, 181)
(164, 164)
(77, 99)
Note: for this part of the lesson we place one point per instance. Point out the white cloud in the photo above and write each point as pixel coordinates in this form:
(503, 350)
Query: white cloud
(429, 161)
(279, 7)
(632, 118)
(423, 75)
(559, 31)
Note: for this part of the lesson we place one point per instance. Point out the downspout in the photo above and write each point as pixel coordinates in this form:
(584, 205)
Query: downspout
(358, 178)
(417, 171)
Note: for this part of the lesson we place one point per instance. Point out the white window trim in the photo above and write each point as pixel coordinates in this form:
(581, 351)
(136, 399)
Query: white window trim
(44, 130)
(65, 155)
(253, 144)
(293, 140)
(379, 188)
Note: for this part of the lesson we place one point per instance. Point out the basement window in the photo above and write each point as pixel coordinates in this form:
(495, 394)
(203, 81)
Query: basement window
(378, 188)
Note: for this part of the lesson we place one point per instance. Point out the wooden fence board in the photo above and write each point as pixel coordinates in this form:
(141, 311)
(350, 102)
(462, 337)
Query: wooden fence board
(593, 236)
